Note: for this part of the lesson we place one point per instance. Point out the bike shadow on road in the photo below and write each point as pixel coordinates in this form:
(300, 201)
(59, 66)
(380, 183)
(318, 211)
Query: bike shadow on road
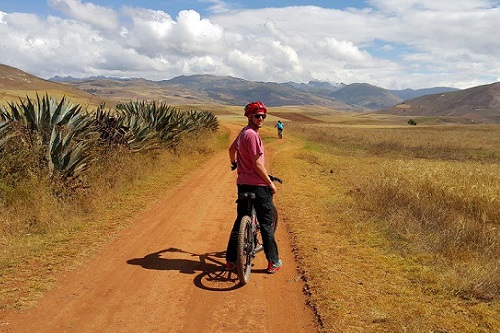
(209, 266)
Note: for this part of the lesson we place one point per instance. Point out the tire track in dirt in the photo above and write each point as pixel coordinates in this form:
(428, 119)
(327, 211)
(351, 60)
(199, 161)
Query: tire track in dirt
(163, 274)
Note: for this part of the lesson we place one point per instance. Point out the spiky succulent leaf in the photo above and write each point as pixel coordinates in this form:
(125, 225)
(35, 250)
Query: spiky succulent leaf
(56, 128)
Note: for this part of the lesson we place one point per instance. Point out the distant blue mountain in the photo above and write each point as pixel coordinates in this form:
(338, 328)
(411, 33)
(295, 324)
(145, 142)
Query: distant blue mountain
(410, 93)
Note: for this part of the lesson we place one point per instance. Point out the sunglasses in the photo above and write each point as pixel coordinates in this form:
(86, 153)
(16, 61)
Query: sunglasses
(260, 116)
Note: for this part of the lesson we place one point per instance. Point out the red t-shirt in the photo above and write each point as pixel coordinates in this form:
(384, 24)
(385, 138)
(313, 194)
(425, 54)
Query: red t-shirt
(248, 144)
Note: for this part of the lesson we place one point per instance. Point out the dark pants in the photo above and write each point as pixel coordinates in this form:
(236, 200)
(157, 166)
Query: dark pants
(264, 207)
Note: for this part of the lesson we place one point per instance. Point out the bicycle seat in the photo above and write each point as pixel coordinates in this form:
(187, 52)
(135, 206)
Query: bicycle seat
(246, 196)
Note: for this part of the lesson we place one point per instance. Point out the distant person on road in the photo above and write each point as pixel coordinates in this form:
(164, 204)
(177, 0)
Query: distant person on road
(280, 127)
(247, 152)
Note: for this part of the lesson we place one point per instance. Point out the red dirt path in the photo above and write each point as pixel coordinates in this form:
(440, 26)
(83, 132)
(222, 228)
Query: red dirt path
(163, 274)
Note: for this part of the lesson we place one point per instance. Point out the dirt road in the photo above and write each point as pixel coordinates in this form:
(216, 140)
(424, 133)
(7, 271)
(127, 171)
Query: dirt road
(163, 274)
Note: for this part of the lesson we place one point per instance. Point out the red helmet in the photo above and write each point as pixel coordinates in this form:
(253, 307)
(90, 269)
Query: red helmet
(254, 107)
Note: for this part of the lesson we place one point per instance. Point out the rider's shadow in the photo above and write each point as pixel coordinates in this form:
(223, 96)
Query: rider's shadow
(209, 266)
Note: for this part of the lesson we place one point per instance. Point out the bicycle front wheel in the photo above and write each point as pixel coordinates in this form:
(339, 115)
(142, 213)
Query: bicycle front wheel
(245, 249)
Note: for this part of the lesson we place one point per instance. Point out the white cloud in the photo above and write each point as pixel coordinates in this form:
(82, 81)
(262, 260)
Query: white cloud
(343, 51)
(195, 34)
(148, 30)
(394, 44)
(250, 64)
(218, 6)
(446, 6)
(97, 16)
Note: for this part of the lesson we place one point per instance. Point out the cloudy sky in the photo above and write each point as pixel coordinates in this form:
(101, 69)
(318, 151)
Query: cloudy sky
(393, 44)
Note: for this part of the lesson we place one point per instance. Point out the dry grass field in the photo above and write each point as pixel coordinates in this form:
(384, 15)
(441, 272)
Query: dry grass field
(396, 227)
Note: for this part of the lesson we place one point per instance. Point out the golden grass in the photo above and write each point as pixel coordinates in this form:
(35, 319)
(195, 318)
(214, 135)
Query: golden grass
(447, 209)
(459, 142)
(396, 229)
(336, 117)
(87, 101)
(359, 197)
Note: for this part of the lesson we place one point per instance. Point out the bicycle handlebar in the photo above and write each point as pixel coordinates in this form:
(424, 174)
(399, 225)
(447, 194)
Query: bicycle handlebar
(276, 179)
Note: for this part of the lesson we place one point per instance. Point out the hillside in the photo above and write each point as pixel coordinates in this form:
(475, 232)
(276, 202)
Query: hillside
(411, 93)
(366, 95)
(207, 89)
(203, 89)
(233, 91)
(119, 90)
(15, 83)
(477, 104)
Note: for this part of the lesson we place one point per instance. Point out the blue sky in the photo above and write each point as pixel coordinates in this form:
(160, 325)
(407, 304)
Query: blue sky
(175, 6)
(395, 44)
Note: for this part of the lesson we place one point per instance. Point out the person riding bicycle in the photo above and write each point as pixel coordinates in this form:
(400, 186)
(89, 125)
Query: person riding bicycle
(280, 127)
(247, 152)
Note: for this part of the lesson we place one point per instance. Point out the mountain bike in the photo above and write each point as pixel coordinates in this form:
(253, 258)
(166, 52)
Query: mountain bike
(249, 238)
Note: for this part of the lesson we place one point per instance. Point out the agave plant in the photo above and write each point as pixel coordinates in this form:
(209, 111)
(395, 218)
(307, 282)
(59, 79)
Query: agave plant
(60, 130)
(143, 137)
(111, 127)
(167, 122)
(204, 119)
(69, 156)
(132, 119)
(5, 132)
(158, 118)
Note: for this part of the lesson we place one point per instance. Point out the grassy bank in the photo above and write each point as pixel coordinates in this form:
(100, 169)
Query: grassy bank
(396, 229)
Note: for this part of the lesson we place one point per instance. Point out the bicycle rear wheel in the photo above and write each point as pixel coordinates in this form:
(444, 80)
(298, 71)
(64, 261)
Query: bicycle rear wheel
(245, 249)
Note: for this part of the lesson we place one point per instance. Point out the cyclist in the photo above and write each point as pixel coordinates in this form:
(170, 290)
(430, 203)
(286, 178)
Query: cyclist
(248, 152)
(280, 127)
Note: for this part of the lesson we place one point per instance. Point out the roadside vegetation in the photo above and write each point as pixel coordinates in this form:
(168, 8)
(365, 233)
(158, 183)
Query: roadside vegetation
(69, 177)
(396, 229)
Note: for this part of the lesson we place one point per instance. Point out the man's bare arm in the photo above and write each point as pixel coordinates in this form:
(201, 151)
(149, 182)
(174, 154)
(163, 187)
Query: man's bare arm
(262, 171)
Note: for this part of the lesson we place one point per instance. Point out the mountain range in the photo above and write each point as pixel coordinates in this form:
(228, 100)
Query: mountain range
(477, 104)
(232, 91)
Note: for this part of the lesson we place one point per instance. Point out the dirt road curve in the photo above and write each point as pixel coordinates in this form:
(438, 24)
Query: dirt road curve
(164, 274)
